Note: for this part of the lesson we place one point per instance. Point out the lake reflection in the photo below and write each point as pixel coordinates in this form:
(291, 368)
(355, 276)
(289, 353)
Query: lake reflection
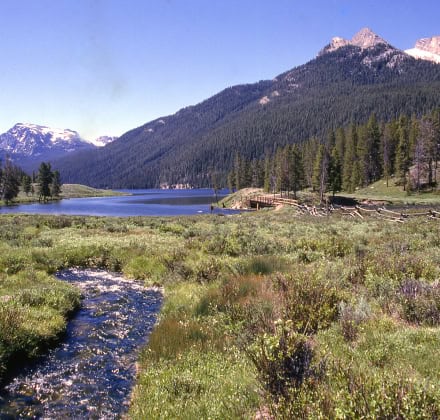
(139, 203)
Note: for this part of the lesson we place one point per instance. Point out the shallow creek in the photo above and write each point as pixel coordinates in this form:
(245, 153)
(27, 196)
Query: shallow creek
(91, 373)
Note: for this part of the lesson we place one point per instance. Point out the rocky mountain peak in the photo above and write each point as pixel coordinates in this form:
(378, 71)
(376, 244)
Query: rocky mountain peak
(366, 38)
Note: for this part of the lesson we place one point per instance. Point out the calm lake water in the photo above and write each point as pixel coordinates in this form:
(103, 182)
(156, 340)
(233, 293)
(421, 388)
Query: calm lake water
(139, 203)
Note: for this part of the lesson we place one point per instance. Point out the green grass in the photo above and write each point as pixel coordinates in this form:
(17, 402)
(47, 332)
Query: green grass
(379, 191)
(67, 191)
(300, 316)
(78, 190)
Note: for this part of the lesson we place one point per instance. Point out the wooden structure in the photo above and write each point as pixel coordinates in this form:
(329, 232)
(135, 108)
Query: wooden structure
(360, 212)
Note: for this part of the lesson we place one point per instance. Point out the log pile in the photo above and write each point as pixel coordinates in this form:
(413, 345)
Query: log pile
(360, 212)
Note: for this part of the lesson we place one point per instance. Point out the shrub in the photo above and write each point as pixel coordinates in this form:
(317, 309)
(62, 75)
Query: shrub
(204, 269)
(282, 359)
(262, 264)
(346, 393)
(420, 302)
(311, 303)
(145, 267)
(352, 316)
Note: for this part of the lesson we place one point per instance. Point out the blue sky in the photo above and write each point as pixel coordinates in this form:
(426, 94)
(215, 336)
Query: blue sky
(102, 67)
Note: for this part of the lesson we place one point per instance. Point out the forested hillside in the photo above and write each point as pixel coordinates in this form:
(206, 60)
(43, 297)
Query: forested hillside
(407, 149)
(200, 142)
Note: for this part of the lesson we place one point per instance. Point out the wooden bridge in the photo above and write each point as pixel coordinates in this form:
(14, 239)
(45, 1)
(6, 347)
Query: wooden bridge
(262, 201)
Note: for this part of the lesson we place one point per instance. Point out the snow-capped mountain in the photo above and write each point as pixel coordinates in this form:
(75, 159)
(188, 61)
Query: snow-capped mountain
(426, 49)
(36, 140)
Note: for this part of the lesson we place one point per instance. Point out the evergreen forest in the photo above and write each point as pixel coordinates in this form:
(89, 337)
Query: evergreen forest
(406, 148)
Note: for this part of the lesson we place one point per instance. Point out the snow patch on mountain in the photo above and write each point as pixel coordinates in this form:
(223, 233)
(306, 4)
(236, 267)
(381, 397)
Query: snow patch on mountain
(103, 140)
(423, 55)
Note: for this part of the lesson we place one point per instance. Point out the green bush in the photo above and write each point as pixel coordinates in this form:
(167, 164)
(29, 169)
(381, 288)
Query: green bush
(347, 393)
(143, 267)
(283, 359)
(307, 300)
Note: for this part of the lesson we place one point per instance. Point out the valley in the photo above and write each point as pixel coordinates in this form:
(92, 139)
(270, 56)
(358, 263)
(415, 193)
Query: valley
(160, 302)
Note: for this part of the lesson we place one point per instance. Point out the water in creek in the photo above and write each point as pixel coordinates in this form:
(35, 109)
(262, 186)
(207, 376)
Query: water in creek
(91, 373)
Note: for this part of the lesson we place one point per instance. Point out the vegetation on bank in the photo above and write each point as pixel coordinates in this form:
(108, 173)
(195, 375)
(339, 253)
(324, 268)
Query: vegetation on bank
(18, 187)
(293, 315)
(67, 191)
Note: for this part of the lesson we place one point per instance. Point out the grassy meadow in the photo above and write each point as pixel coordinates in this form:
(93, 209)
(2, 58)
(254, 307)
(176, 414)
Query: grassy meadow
(270, 312)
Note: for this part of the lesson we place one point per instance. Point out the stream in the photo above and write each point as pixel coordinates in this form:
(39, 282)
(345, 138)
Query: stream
(92, 372)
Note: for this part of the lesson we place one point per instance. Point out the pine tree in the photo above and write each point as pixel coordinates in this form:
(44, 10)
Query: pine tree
(10, 181)
(45, 177)
(282, 169)
(435, 116)
(26, 183)
(309, 153)
(423, 152)
(230, 181)
(267, 174)
(369, 151)
(55, 188)
(349, 160)
(390, 139)
(237, 172)
(320, 172)
(334, 181)
(341, 140)
(296, 175)
(402, 154)
(317, 167)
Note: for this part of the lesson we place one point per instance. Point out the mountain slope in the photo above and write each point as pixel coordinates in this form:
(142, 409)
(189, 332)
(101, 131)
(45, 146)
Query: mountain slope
(346, 82)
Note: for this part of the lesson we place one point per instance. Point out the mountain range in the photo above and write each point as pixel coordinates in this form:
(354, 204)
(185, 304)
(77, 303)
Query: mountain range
(346, 82)
(29, 144)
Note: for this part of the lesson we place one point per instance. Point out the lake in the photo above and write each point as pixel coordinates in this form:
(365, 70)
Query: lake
(152, 202)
